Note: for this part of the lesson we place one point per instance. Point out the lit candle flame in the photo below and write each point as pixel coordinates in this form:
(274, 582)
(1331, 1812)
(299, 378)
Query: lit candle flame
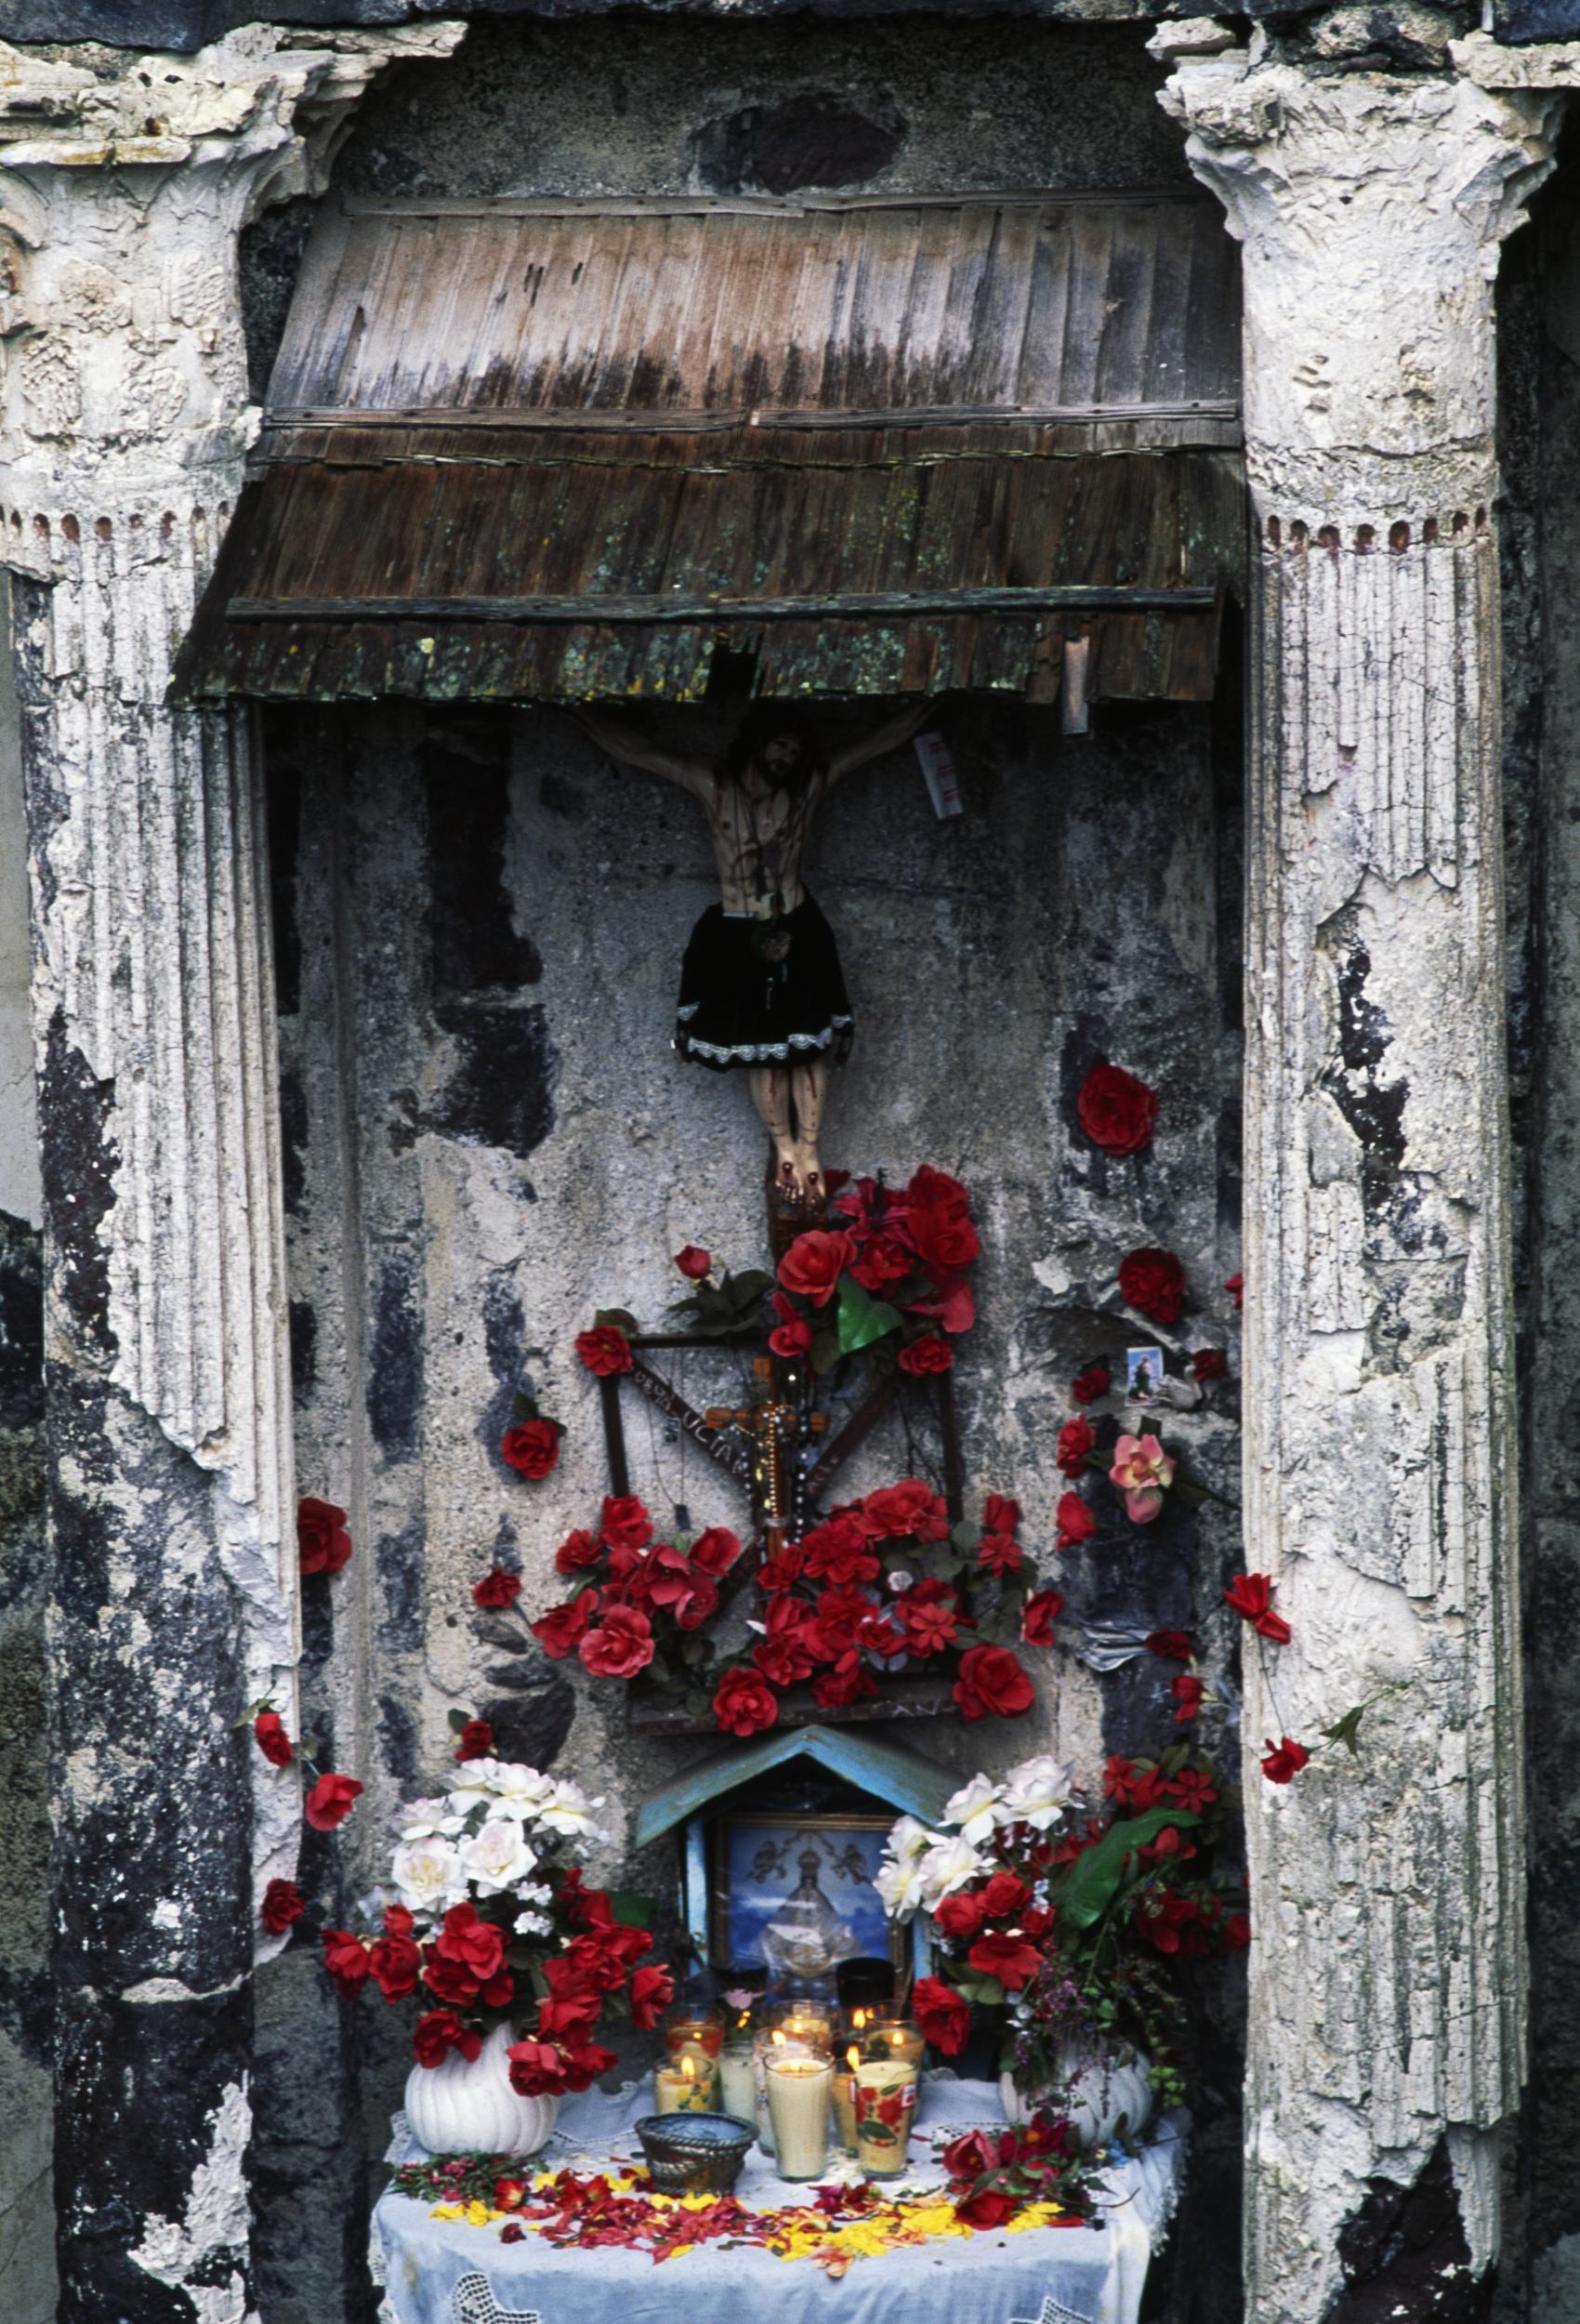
(689, 2068)
(854, 2055)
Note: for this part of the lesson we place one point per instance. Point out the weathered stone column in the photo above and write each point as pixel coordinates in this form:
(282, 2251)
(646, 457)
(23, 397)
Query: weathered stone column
(1388, 1974)
(125, 181)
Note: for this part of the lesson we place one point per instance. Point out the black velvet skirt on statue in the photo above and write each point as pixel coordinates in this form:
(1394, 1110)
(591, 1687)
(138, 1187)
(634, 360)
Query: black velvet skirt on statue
(762, 992)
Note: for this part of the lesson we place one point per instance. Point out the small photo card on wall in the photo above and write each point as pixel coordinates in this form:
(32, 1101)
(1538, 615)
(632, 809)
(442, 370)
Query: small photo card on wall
(1144, 1372)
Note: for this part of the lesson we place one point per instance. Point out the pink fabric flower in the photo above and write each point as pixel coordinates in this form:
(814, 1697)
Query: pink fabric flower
(1142, 1471)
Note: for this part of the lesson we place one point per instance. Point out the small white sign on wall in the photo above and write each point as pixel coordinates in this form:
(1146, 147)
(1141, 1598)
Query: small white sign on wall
(937, 768)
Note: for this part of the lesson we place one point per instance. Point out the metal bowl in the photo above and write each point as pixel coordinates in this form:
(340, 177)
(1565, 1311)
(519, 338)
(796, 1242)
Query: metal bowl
(695, 2154)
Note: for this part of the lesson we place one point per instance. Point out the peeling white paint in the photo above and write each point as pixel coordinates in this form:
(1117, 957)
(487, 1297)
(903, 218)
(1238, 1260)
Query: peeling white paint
(213, 2222)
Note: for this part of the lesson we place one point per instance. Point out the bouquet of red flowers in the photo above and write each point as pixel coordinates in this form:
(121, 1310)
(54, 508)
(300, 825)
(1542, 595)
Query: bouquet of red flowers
(992, 2174)
(492, 1921)
(897, 1264)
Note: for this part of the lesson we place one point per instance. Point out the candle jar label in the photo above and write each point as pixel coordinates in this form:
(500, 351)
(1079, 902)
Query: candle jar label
(885, 2106)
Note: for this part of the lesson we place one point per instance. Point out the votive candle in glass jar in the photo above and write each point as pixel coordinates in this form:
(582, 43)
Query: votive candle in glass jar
(738, 2080)
(889, 2038)
(886, 2107)
(797, 2105)
(684, 2086)
(845, 2098)
(809, 2020)
(697, 2026)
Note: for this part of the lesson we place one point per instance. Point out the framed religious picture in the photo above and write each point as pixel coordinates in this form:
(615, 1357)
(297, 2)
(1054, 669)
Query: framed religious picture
(794, 1891)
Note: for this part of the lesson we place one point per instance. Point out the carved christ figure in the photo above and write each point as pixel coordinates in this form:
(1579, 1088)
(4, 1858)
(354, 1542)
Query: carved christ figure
(761, 987)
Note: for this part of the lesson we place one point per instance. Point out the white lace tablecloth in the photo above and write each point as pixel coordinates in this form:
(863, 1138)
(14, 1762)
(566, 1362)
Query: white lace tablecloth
(441, 2272)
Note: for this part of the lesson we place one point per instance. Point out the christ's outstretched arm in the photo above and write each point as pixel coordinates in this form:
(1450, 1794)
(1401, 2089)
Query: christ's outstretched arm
(630, 746)
(889, 736)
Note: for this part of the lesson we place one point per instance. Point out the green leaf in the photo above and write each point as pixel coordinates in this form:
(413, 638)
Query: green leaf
(620, 1317)
(696, 1704)
(826, 1350)
(634, 1910)
(1097, 1874)
(525, 1406)
(747, 1288)
(693, 1650)
(967, 1537)
(1344, 1730)
(987, 1991)
(862, 1319)
(457, 1723)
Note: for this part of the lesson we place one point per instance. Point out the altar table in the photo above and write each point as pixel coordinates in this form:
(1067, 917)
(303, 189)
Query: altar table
(444, 2272)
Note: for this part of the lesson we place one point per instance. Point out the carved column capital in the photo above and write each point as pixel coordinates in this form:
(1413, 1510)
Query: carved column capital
(1370, 208)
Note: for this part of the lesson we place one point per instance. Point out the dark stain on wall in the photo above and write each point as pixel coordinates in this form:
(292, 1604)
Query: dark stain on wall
(815, 138)
(474, 945)
(395, 1358)
(293, 1140)
(1405, 2257)
(500, 1088)
(397, 1743)
(78, 1157)
(400, 1565)
(304, 1350)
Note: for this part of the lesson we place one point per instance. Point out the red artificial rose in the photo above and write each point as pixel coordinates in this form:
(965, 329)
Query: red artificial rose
(959, 1916)
(620, 1647)
(837, 1690)
(1187, 1692)
(997, 1554)
(1077, 1523)
(1153, 1282)
(561, 1629)
(625, 1524)
(1001, 1513)
(941, 2014)
(1251, 1596)
(791, 1340)
(975, 2152)
(394, 1962)
(1072, 1450)
(464, 1937)
(1009, 1959)
(1171, 1646)
(925, 1355)
(1117, 1112)
(839, 1552)
(398, 1921)
(605, 1351)
(991, 1685)
(1004, 1895)
(743, 1702)
(282, 1905)
(346, 1958)
(583, 2063)
(476, 1740)
(884, 1260)
(1235, 1287)
(571, 2019)
(910, 1509)
(1040, 1613)
(323, 1543)
(450, 1981)
(694, 1263)
(537, 2069)
(930, 1613)
(1095, 1382)
(1235, 1934)
(781, 1571)
(272, 1740)
(990, 2207)
(531, 1448)
(1209, 1363)
(509, 2194)
(814, 1262)
(946, 1240)
(440, 2031)
(497, 1590)
(653, 1989)
(331, 1801)
(1284, 1760)
(577, 1552)
(716, 1551)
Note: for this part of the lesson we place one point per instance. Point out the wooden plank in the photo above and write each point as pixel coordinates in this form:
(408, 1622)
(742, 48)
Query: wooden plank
(867, 604)
(918, 1698)
(614, 1437)
(734, 1458)
(954, 1465)
(854, 1434)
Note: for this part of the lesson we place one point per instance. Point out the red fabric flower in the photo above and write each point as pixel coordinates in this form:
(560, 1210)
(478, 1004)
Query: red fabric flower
(1009, 1959)
(466, 1938)
(991, 1685)
(716, 1551)
(323, 1543)
(989, 2206)
(653, 1989)
(1077, 1523)
(794, 1336)
(1235, 1287)
(1209, 1363)
(1235, 1934)
(1187, 1692)
(1284, 1760)
(395, 1961)
(930, 1613)
(838, 1689)
(1190, 1788)
(884, 1260)
(1004, 1896)
(743, 1703)
(625, 1524)
(907, 1509)
(476, 1740)
(331, 1801)
(561, 1629)
(839, 1552)
(1171, 1646)
(941, 2014)
(960, 1916)
(1001, 1513)
(583, 2063)
(927, 1355)
(620, 1646)
(537, 2069)
(694, 1263)
(398, 1921)
(605, 1351)
(1153, 1282)
(1041, 1611)
(1251, 1596)
(1095, 1382)
(440, 2031)
(998, 1555)
(1073, 1447)
(577, 1552)
(272, 1740)
(282, 1905)
(1117, 1112)
(346, 1958)
(781, 1571)
(814, 1262)
(530, 1449)
(496, 1590)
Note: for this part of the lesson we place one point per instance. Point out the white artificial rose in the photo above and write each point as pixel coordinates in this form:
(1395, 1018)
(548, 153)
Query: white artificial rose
(428, 1874)
(948, 1865)
(568, 1810)
(972, 1808)
(900, 1885)
(1038, 1791)
(420, 1818)
(908, 1839)
(519, 1791)
(498, 1856)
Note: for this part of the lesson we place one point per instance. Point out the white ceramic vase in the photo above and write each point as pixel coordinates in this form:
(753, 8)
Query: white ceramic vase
(466, 2106)
(1093, 2095)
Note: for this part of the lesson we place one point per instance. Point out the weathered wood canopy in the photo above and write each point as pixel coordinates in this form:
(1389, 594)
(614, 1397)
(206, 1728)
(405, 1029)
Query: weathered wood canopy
(572, 450)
